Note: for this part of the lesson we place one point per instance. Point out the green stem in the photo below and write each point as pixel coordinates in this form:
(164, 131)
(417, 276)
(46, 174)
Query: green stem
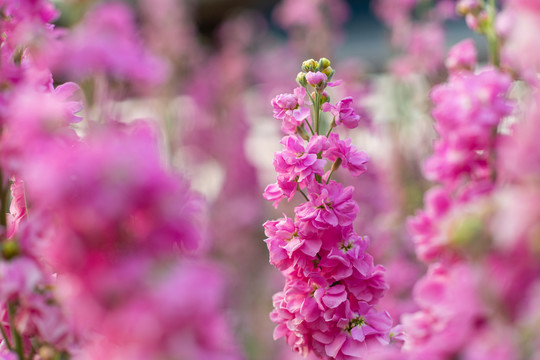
(329, 176)
(491, 35)
(492, 157)
(316, 109)
(6, 340)
(303, 194)
(309, 125)
(335, 166)
(14, 334)
(4, 193)
(310, 97)
(331, 127)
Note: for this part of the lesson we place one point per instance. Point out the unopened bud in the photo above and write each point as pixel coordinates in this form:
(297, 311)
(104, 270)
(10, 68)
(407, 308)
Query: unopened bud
(336, 164)
(324, 97)
(301, 79)
(302, 132)
(310, 65)
(465, 7)
(323, 63)
(10, 249)
(329, 72)
(478, 22)
(46, 352)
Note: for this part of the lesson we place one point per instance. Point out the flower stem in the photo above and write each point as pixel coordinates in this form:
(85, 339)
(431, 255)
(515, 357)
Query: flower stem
(309, 125)
(316, 109)
(491, 35)
(303, 194)
(331, 126)
(4, 194)
(4, 336)
(14, 334)
(335, 166)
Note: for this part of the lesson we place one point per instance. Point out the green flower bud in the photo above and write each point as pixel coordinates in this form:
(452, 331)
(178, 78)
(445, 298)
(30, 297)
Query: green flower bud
(301, 79)
(329, 72)
(324, 97)
(324, 63)
(10, 249)
(310, 65)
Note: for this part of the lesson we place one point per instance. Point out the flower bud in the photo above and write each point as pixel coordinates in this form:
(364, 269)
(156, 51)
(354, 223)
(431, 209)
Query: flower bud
(465, 7)
(329, 72)
(325, 97)
(10, 249)
(323, 63)
(302, 132)
(301, 79)
(310, 65)
(336, 164)
(46, 352)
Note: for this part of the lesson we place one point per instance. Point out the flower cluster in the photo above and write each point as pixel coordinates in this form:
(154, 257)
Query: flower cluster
(477, 228)
(332, 284)
(467, 111)
(99, 241)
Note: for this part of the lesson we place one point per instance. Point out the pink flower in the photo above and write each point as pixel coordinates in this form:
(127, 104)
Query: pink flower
(462, 56)
(351, 159)
(332, 205)
(347, 258)
(88, 48)
(274, 193)
(17, 208)
(343, 113)
(103, 200)
(70, 94)
(315, 78)
(287, 245)
(467, 109)
(288, 107)
(298, 162)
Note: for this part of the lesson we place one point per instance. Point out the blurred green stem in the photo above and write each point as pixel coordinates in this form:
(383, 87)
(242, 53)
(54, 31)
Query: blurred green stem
(491, 34)
(14, 334)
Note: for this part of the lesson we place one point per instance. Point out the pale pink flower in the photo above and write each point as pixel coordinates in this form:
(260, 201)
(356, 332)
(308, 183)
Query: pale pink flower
(289, 108)
(315, 78)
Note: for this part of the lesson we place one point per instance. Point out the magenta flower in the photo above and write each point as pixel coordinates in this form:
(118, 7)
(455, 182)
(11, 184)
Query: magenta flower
(343, 113)
(467, 109)
(351, 158)
(462, 56)
(298, 162)
(333, 205)
(332, 283)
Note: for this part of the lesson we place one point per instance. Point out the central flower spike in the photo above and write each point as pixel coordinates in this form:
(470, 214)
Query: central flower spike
(332, 285)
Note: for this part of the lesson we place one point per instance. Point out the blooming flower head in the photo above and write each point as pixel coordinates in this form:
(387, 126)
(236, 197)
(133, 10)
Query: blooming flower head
(343, 113)
(332, 205)
(351, 158)
(298, 162)
(289, 108)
